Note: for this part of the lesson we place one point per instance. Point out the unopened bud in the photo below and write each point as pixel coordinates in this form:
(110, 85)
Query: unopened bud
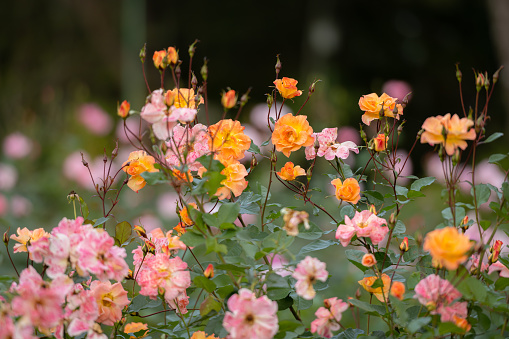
(172, 56)
(479, 81)
(192, 48)
(392, 219)
(204, 70)
(254, 162)
(123, 109)
(372, 209)
(496, 75)
(358, 294)
(143, 53)
(441, 153)
(456, 158)
(486, 81)
(495, 252)
(114, 153)
(245, 97)
(327, 303)
(85, 163)
(229, 99)
(130, 275)
(140, 231)
(270, 100)
(479, 124)
(363, 135)
(278, 65)
(312, 87)
(149, 247)
(6, 237)
(316, 145)
(209, 272)
(403, 247)
(194, 81)
(459, 75)
(464, 224)
(178, 71)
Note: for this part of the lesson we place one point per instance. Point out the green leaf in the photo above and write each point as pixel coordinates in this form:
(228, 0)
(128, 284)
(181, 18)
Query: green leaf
(482, 193)
(232, 268)
(501, 284)
(355, 257)
(472, 289)
(100, 221)
(349, 333)
(399, 228)
(374, 197)
(208, 305)
(123, 231)
(277, 293)
(420, 183)
(201, 282)
(300, 303)
(416, 324)
(192, 239)
(213, 182)
(228, 212)
(495, 158)
(248, 204)
(213, 246)
(283, 304)
(225, 291)
(141, 302)
(368, 307)
(83, 208)
(253, 148)
(314, 232)
(493, 137)
(449, 327)
(347, 210)
(317, 245)
(400, 190)
(154, 178)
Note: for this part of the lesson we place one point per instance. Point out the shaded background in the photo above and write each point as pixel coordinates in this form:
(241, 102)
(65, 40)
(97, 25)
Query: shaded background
(64, 65)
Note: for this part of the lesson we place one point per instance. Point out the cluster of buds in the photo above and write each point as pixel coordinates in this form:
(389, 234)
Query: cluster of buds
(165, 58)
(495, 252)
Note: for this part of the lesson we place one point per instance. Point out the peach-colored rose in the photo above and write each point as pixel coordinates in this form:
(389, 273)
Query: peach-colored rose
(398, 289)
(111, 299)
(449, 131)
(25, 237)
(234, 183)
(381, 293)
(203, 335)
(135, 327)
(448, 247)
(291, 133)
(373, 106)
(169, 97)
(287, 87)
(123, 109)
(348, 191)
(159, 59)
(185, 98)
(289, 172)
(137, 163)
(380, 142)
(229, 99)
(228, 141)
(172, 56)
(368, 260)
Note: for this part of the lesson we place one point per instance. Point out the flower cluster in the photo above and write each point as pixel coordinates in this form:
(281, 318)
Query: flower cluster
(328, 317)
(374, 107)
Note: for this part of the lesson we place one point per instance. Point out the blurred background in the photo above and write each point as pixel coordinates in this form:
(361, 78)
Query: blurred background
(65, 64)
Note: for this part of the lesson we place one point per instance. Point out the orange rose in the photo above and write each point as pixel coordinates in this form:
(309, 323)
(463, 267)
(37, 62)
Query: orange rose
(172, 56)
(135, 327)
(289, 172)
(398, 289)
(291, 133)
(180, 228)
(381, 293)
(447, 247)
(185, 98)
(229, 99)
(461, 323)
(159, 59)
(348, 190)
(368, 260)
(202, 335)
(123, 109)
(373, 106)
(228, 141)
(137, 163)
(234, 183)
(380, 142)
(184, 214)
(287, 87)
(449, 131)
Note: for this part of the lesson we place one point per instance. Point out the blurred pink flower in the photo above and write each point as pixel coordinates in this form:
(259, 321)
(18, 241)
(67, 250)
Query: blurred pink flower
(439, 296)
(166, 205)
(81, 311)
(498, 266)
(279, 264)
(324, 323)
(74, 169)
(133, 125)
(95, 119)
(180, 303)
(396, 88)
(111, 299)
(20, 206)
(191, 141)
(8, 177)
(4, 205)
(328, 147)
(308, 271)
(348, 133)
(155, 109)
(17, 145)
(250, 317)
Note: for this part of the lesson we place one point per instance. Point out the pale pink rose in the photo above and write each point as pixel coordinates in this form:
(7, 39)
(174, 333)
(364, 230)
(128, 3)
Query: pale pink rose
(473, 262)
(364, 224)
(17, 145)
(95, 119)
(8, 177)
(155, 109)
(20, 206)
(186, 140)
(498, 266)
(280, 264)
(308, 271)
(180, 303)
(397, 89)
(329, 148)
(111, 299)
(324, 323)
(345, 233)
(183, 114)
(439, 296)
(251, 317)
(162, 128)
(337, 307)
